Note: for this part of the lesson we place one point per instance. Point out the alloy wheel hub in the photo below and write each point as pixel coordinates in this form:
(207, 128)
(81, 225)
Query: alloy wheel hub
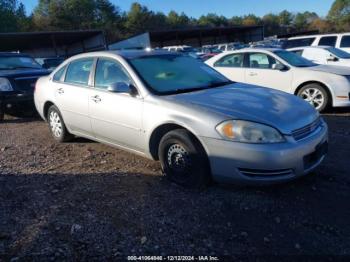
(313, 96)
(55, 123)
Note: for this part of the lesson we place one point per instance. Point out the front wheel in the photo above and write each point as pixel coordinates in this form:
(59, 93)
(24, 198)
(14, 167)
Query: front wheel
(57, 127)
(183, 159)
(315, 95)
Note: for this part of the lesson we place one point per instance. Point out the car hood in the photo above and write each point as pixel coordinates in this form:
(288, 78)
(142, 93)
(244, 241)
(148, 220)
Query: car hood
(23, 72)
(333, 69)
(246, 102)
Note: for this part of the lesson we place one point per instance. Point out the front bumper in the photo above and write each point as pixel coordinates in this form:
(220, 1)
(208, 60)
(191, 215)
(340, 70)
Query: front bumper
(15, 99)
(259, 164)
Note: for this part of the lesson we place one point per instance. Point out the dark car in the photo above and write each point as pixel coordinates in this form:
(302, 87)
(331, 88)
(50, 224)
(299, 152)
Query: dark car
(18, 75)
(50, 63)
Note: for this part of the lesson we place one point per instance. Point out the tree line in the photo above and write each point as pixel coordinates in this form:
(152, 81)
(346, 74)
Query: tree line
(52, 15)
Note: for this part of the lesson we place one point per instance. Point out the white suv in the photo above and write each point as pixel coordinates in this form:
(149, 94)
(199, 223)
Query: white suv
(323, 55)
(320, 85)
(341, 41)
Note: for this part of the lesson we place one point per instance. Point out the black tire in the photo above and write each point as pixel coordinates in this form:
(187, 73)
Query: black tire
(63, 135)
(2, 109)
(183, 159)
(322, 93)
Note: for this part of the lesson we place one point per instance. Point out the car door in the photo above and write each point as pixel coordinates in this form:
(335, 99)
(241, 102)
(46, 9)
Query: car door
(261, 72)
(316, 55)
(72, 93)
(231, 66)
(115, 117)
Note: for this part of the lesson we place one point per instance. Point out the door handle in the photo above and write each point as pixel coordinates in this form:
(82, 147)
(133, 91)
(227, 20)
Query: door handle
(60, 91)
(96, 99)
(253, 74)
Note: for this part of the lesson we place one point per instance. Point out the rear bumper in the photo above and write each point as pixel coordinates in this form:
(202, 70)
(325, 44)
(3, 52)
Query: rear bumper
(259, 164)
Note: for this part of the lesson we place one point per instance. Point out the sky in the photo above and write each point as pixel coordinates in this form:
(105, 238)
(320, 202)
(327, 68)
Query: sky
(228, 8)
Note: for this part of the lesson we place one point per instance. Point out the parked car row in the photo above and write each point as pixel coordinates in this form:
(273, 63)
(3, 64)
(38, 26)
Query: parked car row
(320, 85)
(202, 126)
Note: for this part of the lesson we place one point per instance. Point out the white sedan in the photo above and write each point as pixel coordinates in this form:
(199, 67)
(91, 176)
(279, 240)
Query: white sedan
(323, 55)
(320, 85)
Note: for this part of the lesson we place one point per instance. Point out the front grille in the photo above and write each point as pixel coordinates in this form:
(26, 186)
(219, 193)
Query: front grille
(305, 131)
(25, 83)
(256, 173)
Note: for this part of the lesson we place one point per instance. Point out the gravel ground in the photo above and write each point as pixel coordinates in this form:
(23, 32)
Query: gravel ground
(84, 200)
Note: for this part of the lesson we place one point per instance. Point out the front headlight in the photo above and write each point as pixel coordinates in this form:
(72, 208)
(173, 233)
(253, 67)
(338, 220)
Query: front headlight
(5, 85)
(249, 132)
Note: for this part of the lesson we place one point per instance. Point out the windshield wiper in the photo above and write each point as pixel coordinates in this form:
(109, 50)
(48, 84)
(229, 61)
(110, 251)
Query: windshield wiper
(217, 84)
(23, 67)
(187, 90)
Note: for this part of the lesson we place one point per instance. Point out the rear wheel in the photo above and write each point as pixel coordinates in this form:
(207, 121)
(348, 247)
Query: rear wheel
(2, 109)
(57, 127)
(316, 95)
(183, 159)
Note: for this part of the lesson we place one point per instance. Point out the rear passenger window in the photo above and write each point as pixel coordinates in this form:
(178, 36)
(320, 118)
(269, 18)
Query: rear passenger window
(58, 75)
(234, 60)
(328, 40)
(345, 41)
(78, 71)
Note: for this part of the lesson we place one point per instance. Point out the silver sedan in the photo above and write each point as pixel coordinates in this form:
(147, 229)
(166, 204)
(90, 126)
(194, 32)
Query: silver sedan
(173, 108)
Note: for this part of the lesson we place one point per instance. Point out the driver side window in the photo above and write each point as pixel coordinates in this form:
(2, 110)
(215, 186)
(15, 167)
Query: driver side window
(261, 61)
(108, 72)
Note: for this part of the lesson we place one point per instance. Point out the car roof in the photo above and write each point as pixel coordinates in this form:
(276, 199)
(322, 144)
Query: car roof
(7, 54)
(310, 47)
(126, 54)
(317, 35)
(256, 49)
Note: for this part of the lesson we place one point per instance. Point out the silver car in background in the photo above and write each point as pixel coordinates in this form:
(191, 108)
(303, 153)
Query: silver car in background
(173, 108)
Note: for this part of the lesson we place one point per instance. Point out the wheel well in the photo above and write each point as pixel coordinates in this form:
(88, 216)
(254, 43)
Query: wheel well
(46, 108)
(318, 83)
(157, 135)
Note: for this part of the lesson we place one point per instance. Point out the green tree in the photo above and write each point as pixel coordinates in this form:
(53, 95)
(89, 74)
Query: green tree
(174, 20)
(339, 15)
(285, 18)
(302, 21)
(12, 16)
(251, 19)
(212, 19)
(235, 20)
(271, 23)
(138, 19)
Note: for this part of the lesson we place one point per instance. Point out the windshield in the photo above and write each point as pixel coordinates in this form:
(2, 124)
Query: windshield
(338, 52)
(16, 62)
(173, 73)
(294, 59)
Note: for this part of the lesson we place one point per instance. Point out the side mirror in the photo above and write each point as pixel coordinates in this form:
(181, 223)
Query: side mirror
(119, 87)
(122, 87)
(278, 67)
(332, 59)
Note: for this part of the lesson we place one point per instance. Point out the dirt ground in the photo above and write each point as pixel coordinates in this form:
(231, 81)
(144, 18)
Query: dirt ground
(87, 201)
